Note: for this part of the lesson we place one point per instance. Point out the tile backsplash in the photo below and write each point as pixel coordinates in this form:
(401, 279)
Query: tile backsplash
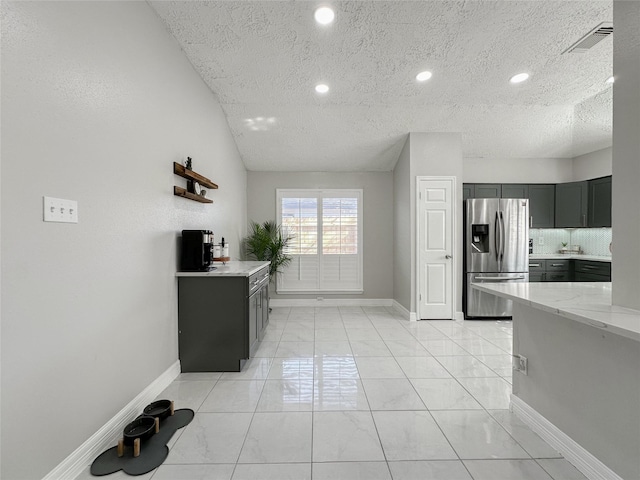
(592, 241)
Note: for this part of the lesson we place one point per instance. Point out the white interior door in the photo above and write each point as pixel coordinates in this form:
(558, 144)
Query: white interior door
(435, 225)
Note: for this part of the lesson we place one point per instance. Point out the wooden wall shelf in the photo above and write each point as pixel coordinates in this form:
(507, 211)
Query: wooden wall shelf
(181, 192)
(194, 177)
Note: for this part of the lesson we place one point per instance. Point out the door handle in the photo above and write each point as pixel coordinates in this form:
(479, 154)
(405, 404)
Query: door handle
(531, 221)
(448, 257)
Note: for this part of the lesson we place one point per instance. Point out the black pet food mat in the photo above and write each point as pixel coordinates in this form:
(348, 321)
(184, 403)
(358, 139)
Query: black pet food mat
(153, 451)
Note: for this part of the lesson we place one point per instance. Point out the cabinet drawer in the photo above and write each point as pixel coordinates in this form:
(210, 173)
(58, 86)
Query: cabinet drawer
(590, 277)
(556, 265)
(595, 268)
(257, 278)
(536, 276)
(557, 277)
(536, 266)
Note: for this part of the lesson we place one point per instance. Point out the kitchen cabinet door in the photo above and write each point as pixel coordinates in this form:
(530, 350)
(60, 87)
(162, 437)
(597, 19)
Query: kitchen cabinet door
(487, 190)
(515, 190)
(600, 202)
(542, 209)
(254, 312)
(572, 201)
(536, 276)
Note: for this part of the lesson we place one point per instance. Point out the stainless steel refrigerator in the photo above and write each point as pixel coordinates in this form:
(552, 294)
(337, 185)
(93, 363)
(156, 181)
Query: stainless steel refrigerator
(496, 250)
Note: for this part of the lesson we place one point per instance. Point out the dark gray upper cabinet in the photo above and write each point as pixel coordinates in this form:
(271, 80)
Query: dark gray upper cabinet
(467, 190)
(487, 190)
(600, 202)
(515, 190)
(572, 200)
(542, 206)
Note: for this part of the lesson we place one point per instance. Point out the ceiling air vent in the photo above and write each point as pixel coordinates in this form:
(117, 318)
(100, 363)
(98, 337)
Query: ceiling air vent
(596, 35)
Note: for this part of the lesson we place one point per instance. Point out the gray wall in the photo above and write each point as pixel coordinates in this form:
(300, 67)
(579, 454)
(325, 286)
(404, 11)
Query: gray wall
(377, 210)
(97, 102)
(584, 381)
(592, 165)
(626, 154)
(517, 170)
(424, 154)
(437, 154)
(402, 280)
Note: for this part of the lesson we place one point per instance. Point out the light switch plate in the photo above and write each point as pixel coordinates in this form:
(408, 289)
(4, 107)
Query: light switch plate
(60, 210)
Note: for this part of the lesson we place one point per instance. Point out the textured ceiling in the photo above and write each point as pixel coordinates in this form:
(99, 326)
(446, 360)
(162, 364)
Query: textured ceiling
(263, 58)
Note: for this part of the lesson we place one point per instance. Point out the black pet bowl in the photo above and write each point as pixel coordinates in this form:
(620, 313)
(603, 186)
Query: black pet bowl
(159, 408)
(142, 428)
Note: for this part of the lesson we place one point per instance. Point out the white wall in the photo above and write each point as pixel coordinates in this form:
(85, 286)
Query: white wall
(593, 165)
(402, 280)
(97, 103)
(625, 267)
(377, 222)
(517, 170)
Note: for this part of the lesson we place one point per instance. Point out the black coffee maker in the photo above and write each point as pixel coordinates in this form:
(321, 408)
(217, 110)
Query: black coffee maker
(197, 251)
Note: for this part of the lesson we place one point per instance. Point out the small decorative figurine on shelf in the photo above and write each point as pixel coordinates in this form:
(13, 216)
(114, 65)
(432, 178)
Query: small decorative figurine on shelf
(187, 164)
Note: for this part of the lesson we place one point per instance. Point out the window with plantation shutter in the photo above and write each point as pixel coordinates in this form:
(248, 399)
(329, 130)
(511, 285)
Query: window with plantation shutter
(326, 249)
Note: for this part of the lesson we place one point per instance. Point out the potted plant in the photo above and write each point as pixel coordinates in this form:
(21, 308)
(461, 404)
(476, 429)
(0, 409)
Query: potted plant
(564, 247)
(268, 242)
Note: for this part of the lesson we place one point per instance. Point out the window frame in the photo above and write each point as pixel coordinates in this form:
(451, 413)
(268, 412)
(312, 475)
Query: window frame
(320, 194)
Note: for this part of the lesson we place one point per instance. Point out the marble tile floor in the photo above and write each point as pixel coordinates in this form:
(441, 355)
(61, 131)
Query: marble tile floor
(358, 393)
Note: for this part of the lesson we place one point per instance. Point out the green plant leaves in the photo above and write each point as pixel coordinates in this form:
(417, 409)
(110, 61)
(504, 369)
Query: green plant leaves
(267, 242)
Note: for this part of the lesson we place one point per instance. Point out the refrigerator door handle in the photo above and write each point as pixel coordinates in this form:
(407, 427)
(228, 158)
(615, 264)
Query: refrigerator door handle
(496, 235)
(500, 237)
(504, 236)
(501, 279)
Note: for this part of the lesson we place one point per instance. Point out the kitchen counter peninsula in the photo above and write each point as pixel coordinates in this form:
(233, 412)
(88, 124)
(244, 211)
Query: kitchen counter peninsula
(222, 316)
(572, 256)
(584, 302)
(234, 268)
(581, 387)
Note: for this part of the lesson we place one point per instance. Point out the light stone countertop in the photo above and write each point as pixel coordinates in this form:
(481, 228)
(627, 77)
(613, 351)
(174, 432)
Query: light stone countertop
(230, 269)
(558, 256)
(584, 302)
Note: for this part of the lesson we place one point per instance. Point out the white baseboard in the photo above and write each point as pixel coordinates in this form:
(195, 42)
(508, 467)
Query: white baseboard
(590, 466)
(411, 316)
(331, 302)
(111, 431)
(459, 316)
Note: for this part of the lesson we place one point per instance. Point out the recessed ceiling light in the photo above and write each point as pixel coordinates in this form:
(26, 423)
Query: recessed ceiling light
(324, 15)
(423, 76)
(322, 88)
(521, 77)
(611, 80)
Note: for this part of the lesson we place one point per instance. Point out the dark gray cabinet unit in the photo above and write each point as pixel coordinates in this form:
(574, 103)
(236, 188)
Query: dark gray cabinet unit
(487, 190)
(550, 270)
(542, 205)
(515, 190)
(467, 190)
(572, 201)
(591, 271)
(600, 202)
(221, 320)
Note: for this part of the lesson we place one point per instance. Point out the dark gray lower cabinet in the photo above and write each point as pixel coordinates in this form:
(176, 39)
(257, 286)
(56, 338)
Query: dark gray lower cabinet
(591, 271)
(561, 270)
(221, 320)
(550, 270)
